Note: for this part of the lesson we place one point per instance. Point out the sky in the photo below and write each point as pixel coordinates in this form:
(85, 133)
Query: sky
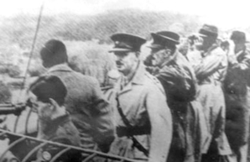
(226, 14)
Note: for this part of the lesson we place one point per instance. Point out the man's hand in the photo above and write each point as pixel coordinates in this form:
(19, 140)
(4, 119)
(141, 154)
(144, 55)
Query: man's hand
(195, 39)
(54, 103)
(232, 57)
(19, 108)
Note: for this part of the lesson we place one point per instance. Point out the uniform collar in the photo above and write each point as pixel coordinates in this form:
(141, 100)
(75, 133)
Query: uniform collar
(59, 67)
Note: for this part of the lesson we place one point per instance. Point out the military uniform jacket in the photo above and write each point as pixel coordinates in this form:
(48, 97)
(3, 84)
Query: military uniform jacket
(143, 102)
(90, 113)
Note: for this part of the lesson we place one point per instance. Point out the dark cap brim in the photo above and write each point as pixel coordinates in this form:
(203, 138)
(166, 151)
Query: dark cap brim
(207, 33)
(198, 34)
(201, 35)
(120, 50)
(164, 39)
(155, 46)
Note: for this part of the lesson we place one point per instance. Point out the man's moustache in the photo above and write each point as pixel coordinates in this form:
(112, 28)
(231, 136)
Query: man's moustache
(119, 63)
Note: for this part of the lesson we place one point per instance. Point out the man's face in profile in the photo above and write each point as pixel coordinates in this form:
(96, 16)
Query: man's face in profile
(160, 56)
(125, 61)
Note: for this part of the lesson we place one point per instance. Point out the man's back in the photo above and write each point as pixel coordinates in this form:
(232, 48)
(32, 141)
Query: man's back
(90, 113)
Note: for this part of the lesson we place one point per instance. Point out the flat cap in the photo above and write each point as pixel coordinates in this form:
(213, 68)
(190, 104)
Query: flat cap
(164, 38)
(126, 42)
(49, 87)
(209, 30)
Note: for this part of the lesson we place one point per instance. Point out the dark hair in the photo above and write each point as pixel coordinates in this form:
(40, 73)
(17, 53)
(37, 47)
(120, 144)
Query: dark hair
(54, 51)
(49, 87)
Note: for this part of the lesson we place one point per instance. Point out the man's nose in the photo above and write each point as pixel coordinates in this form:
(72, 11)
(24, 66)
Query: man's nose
(118, 58)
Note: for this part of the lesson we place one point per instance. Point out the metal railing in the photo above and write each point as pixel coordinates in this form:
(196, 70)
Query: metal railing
(88, 154)
(63, 149)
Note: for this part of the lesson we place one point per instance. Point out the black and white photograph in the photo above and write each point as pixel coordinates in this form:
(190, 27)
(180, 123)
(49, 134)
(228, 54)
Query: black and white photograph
(124, 81)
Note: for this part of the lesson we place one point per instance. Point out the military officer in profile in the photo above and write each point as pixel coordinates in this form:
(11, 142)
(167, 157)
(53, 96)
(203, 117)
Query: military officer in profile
(142, 117)
(178, 79)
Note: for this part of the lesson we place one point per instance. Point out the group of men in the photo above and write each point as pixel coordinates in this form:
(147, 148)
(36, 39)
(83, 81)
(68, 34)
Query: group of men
(174, 106)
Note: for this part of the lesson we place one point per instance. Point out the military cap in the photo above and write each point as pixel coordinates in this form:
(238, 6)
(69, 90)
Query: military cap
(209, 30)
(164, 38)
(238, 35)
(126, 42)
(49, 87)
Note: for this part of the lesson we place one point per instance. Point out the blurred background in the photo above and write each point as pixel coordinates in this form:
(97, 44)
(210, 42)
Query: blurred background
(85, 27)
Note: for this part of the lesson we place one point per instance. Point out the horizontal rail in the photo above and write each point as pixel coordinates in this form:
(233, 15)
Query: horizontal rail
(11, 146)
(98, 153)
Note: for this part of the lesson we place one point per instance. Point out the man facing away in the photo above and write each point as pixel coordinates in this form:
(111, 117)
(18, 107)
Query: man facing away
(142, 118)
(90, 113)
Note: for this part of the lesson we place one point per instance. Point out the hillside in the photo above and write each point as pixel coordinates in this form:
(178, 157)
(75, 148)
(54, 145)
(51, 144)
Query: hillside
(17, 33)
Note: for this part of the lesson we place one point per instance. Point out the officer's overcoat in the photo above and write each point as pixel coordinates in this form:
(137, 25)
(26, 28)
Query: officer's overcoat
(143, 102)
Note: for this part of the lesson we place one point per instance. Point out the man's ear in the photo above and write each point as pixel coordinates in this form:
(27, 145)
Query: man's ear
(168, 52)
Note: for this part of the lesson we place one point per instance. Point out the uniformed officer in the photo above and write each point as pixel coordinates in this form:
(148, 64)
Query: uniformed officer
(178, 79)
(143, 119)
(89, 111)
(210, 71)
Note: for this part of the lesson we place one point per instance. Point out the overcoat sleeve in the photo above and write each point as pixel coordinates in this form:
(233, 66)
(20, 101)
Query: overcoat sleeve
(102, 119)
(209, 65)
(178, 83)
(161, 126)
